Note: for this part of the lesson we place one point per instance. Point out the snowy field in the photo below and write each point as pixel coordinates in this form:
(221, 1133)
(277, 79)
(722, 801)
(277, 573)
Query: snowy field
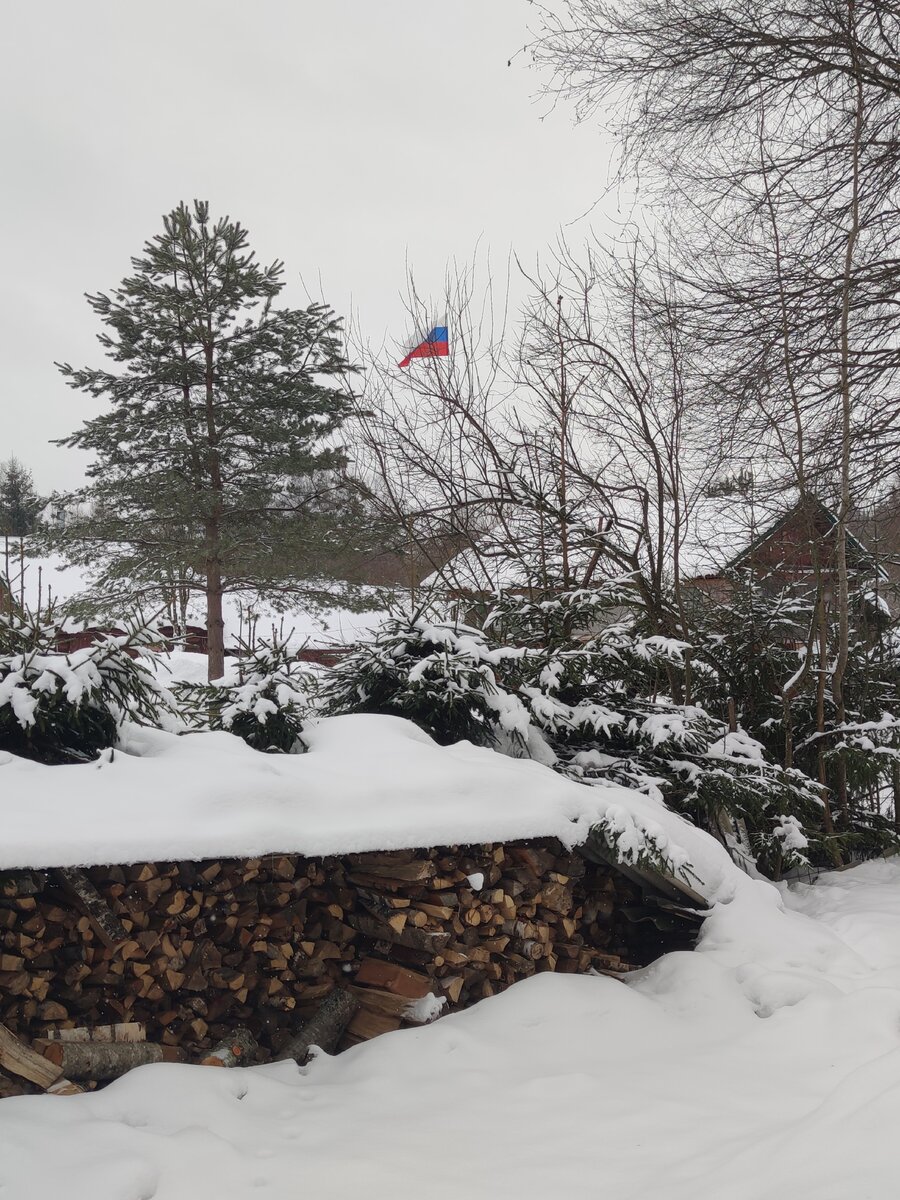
(47, 578)
(767, 1064)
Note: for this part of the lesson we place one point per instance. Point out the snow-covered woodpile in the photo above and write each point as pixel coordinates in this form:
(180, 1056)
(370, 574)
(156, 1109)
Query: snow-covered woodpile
(193, 951)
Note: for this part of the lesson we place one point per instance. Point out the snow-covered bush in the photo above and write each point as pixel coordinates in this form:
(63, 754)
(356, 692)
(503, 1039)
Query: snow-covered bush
(760, 647)
(58, 708)
(444, 677)
(263, 698)
(599, 709)
(592, 705)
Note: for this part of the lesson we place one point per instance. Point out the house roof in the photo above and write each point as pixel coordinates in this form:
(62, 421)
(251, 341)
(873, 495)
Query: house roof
(717, 533)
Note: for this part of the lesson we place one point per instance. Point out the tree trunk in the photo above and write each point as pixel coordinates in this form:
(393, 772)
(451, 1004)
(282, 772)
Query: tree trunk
(840, 666)
(215, 623)
(827, 819)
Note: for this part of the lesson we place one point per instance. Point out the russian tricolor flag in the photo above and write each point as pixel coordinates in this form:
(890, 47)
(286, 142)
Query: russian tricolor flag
(436, 345)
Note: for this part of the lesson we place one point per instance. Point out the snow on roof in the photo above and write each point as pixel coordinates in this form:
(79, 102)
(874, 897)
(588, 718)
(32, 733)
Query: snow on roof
(719, 528)
(714, 531)
(367, 783)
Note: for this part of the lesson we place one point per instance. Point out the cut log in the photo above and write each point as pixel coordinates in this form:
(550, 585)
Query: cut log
(107, 1060)
(415, 939)
(391, 978)
(20, 1059)
(368, 1024)
(387, 1003)
(11, 1087)
(20, 883)
(324, 1028)
(404, 872)
(106, 925)
(236, 1051)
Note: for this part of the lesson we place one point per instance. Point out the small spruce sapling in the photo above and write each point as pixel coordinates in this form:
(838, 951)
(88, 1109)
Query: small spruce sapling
(58, 708)
(442, 676)
(263, 698)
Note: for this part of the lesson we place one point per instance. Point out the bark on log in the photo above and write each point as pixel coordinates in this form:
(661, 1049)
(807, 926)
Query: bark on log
(124, 1031)
(107, 926)
(235, 1051)
(107, 1060)
(324, 1028)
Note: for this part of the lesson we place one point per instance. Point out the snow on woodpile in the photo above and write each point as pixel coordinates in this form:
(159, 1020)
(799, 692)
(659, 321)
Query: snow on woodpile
(368, 783)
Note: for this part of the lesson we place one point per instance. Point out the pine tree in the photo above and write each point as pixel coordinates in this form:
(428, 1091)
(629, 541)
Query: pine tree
(19, 502)
(216, 460)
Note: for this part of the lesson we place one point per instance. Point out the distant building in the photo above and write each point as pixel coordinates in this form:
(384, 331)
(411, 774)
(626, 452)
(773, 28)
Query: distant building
(783, 540)
(782, 547)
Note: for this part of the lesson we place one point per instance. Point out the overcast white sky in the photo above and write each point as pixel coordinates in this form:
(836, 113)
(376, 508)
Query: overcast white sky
(347, 135)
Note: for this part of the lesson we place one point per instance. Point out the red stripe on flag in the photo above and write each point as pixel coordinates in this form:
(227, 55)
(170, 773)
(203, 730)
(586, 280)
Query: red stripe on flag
(427, 350)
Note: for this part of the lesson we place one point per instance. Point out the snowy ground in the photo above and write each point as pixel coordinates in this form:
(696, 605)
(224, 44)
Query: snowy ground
(47, 578)
(767, 1064)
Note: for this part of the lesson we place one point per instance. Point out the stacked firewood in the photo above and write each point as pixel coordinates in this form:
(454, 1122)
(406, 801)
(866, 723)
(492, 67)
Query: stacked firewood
(191, 951)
